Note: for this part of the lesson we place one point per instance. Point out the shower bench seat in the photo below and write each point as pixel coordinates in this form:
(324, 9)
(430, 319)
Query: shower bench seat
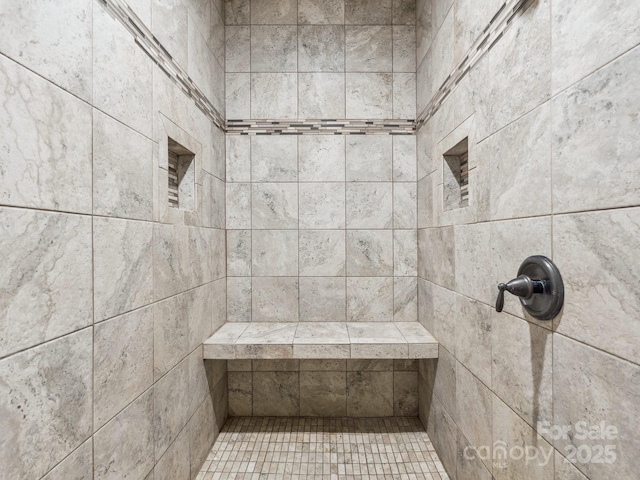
(321, 340)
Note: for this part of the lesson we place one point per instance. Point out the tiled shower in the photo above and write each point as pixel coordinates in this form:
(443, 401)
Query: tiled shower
(169, 168)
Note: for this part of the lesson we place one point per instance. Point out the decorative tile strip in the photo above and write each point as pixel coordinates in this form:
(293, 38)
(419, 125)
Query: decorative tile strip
(321, 127)
(154, 49)
(496, 28)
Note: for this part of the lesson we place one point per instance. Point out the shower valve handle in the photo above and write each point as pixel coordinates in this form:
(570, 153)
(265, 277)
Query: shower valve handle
(522, 286)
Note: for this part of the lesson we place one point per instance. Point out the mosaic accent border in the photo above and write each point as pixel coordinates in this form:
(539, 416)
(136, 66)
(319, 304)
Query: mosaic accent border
(145, 39)
(321, 127)
(154, 49)
(493, 32)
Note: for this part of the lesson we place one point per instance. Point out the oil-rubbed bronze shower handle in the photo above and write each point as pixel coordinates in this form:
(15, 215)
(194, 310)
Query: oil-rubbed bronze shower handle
(539, 286)
(522, 287)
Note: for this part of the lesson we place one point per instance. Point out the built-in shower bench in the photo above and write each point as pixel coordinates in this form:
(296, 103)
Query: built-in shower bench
(321, 340)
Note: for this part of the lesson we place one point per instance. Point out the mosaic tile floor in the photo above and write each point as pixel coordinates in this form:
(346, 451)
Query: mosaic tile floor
(267, 448)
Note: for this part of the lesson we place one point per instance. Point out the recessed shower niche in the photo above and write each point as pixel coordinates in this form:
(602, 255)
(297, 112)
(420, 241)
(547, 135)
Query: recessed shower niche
(181, 177)
(456, 176)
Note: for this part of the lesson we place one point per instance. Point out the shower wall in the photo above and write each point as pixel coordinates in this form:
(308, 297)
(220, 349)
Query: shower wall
(551, 116)
(106, 292)
(321, 227)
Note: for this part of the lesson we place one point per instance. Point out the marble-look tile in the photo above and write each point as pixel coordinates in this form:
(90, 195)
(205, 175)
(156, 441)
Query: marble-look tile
(508, 240)
(369, 49)
(201, 63)
(238, 253)
(522, 367)
(404, 158)
(470, 20)
(53, 41)
(123, 266)
(441, 376)
(199, 312)
(203, 376)
(565, 470)
(171, 272)
(370, 299)
(367, 12)
(43, 167)
(170, 332)
(274, 299)
(46, 277)
(582, 180)
(202, 429)
(405, 365)
(240, 394)
(238, 96)
(274, 48)
(276, 394)
(322, 299)
(170, 406)
(321, 158)
(405, 205)
(321, 95)
(218, 304)
(238, 49)
(274, 158)
(405, 299)
(472, 256)
(514, 183)
(123, 362)
(436, 256)
(369, 158)
(421, 342)
(442, 429)
(314, 12)
(369, 365)
(239, 365)
(119, 450)
(170, 25)
(175, 461)
(271, 95)
(325, 332)
(238, 158)
(474, 406)
(369, 95)
(274, 253)
(404, 49)
(405, 253)
(77, 466)
(274, 206)
(278, 365)
(405, 394)
(404, 95)
(424, 30)
(322, 253)
(122, 74)
(443, 308)
(584, 39)
(323, 394)
(473, 339)
(512, 432)
(321, 48)
(221, 344)
(597, 256)
(48, 390)
(370, 252)
(520, 67)
(237, 12)
(370, 394)
(238, 208)
(274, 12)
(404, 12)
(239, 299)
(322, 205)
(369, 205)
(320, 365)
(469, 466)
